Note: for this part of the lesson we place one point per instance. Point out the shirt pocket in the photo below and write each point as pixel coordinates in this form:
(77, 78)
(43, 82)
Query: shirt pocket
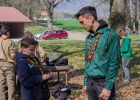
(103, 50)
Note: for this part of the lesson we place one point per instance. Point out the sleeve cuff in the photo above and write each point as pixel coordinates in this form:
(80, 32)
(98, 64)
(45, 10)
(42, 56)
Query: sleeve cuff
(40, 79)
(85, 82)
(109, 85)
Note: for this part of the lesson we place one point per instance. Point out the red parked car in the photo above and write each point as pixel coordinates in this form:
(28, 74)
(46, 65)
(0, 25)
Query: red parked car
(55, 34)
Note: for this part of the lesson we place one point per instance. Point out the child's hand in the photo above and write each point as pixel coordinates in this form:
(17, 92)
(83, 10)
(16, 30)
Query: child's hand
(50, 71)
(47, 76)
(51, 74)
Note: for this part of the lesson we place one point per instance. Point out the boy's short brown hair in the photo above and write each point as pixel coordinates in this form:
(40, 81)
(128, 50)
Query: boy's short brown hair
(25, 42)
(4, 30)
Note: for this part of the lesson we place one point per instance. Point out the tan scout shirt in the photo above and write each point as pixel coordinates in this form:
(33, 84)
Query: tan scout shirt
(7, 50)
(39, 52)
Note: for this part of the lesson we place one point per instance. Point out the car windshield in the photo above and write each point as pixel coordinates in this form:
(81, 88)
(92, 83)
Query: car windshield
(49, 31)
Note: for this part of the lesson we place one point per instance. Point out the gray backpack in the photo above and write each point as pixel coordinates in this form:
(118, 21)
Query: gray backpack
(56, 60)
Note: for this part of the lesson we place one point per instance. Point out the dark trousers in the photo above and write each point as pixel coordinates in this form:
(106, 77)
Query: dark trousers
(45, 92)
(94, 90)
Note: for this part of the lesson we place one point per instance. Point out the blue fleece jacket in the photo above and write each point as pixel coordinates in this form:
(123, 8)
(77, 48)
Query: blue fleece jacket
(29, 77)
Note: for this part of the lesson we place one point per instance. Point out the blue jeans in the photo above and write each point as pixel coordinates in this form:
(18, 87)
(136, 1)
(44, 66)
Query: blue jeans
(94, 90)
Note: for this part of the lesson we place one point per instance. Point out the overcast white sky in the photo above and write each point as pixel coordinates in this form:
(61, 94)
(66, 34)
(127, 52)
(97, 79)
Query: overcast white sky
(74, 7)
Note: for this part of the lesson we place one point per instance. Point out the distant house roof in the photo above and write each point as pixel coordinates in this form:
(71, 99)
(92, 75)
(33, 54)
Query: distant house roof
(44, 13)
(10, 14)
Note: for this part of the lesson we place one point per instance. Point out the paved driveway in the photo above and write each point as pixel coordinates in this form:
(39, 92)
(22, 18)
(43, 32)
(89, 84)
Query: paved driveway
(77, 35)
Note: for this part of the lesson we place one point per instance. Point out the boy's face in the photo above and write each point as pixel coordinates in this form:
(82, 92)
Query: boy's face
(29, 50)
(86, 23)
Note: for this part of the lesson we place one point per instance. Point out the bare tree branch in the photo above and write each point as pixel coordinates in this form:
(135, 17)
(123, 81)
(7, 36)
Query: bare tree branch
(58, 3)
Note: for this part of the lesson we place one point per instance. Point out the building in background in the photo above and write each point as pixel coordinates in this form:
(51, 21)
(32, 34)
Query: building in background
(11, 17)
(43, 15)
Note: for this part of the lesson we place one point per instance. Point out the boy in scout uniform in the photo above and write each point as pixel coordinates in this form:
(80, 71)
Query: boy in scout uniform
(7, 70)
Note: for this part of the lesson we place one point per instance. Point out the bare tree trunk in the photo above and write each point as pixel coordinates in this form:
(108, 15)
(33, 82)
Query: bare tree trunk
(132, 15)
(103, 9)
(49, 7)
(49, 23)
(138, 12)
(117, 14)
(50, 18)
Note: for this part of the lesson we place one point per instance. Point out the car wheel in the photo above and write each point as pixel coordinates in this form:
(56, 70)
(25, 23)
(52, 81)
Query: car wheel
(50, 38)
(40, 37)
(65, 37)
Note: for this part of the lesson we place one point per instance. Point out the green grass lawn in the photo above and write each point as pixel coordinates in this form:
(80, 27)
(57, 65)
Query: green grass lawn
(64, 24)
(134, 37)
(34, 29)
(69, 25)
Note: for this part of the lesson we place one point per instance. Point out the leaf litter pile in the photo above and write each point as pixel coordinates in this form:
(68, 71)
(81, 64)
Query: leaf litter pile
(124, 91)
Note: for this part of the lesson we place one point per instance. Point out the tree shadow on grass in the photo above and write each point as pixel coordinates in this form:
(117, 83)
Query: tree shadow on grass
(135, 59)
(55, 49)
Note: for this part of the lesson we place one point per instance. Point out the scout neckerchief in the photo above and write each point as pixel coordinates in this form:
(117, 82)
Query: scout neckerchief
(4, 37)
(35, 63)
(90, 56)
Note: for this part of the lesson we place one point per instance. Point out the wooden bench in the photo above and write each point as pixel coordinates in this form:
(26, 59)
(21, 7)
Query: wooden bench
(58, 69)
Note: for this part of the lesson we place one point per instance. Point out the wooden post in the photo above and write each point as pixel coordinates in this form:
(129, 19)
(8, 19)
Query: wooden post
(66, 77)
(58, 76)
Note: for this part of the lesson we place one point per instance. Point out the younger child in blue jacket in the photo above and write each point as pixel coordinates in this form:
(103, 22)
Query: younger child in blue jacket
(29, 71)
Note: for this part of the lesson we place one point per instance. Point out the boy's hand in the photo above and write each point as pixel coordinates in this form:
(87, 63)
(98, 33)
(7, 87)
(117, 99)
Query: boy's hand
(51, 75)
(105, 94)
(47, 76)
(50, 71)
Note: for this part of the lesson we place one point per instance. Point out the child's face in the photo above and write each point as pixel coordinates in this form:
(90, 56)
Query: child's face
(29, 50)
(122, 34)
